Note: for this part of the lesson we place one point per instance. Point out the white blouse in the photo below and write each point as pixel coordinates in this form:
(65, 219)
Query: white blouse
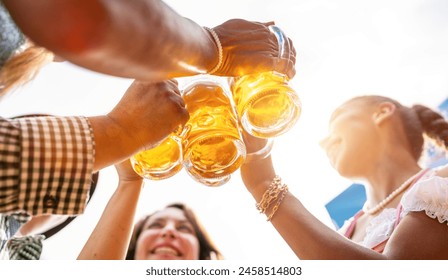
(429, 194)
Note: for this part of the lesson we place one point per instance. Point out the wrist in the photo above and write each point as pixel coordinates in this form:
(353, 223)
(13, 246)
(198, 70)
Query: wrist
(272, 197)
(220, 52)
(125, 132)
(257, 175)
(261, 153)
(112, 144)
(131, 183)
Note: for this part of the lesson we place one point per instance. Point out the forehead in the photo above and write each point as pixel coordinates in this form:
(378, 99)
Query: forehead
(352, 107)
(169, 214)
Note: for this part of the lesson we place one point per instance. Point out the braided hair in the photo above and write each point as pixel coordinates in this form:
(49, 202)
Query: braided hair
(434, 125)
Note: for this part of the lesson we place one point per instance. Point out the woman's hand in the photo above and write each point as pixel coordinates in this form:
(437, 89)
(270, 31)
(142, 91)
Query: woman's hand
(126, 173)
(257, 171)
(253, 144)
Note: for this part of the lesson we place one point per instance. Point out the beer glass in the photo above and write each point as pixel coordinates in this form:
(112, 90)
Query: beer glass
(266, 104)
(212, 143)
(162, 161)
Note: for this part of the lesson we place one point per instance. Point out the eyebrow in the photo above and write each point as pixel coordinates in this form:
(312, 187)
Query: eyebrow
(336, 113)
(186, 222)
(164, 219)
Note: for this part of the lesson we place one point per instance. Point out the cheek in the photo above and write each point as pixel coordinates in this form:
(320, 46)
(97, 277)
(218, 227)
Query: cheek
(344, 162)
(356, 153)
(191, 243)
(143, 244)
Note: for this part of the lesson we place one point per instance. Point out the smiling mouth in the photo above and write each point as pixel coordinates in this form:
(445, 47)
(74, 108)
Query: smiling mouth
(165, 251)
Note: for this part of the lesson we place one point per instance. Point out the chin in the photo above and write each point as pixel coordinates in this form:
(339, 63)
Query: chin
(345, 170)
(349, 172)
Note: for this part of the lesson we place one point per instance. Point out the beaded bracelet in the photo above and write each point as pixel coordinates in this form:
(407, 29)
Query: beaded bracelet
(219, 46)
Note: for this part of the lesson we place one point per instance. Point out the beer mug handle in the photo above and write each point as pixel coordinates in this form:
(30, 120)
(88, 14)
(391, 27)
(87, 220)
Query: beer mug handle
(180, 132)
(284, 48)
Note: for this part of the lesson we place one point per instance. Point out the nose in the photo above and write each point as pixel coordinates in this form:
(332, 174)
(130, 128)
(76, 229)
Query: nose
(169, 231)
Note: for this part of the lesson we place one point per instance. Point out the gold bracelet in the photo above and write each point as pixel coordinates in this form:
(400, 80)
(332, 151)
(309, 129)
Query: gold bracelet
(276, 192)
(219, 46)
(279, 201)
(271, 195)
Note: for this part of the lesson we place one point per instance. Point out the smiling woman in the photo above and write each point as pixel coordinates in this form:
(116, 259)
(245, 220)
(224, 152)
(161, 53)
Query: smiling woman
(379, 141)
(173, 233)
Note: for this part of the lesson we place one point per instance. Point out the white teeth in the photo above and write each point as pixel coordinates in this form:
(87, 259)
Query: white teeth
(166, 251)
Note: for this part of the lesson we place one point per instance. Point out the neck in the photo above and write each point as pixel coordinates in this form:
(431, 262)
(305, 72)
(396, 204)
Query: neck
(387, 179)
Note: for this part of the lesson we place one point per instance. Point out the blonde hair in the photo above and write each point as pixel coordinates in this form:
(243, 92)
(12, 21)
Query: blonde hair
(22, 67)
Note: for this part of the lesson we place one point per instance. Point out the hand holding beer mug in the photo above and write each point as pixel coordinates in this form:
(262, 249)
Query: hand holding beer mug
(212, 143)
(266, 104)
(162, 161)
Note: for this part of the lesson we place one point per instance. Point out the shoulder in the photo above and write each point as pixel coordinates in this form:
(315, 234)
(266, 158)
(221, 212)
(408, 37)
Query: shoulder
(429, 194)
(442, 171)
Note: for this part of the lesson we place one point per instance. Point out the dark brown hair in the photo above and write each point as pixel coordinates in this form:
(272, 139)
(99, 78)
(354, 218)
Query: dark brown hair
(417, 121)
(207, 250)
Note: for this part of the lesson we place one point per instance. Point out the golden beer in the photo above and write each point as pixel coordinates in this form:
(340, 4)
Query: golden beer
(160, 162)
(266, 104)
(212, 144)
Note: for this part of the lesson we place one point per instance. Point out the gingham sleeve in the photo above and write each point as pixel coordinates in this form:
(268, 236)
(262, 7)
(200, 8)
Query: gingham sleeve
(9, 165)
(50, 169)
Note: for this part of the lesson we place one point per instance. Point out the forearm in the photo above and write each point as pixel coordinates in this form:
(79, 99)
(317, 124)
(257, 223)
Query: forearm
(310, 239)
(110, 238)
(160, 42)
(306, 235)
(112, 143)
(143, 39)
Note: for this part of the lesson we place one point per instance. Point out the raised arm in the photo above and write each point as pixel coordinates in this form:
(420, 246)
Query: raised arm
(110, 238)
(307, 236)
(145, 115)
(144, 39)
(57, 176)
